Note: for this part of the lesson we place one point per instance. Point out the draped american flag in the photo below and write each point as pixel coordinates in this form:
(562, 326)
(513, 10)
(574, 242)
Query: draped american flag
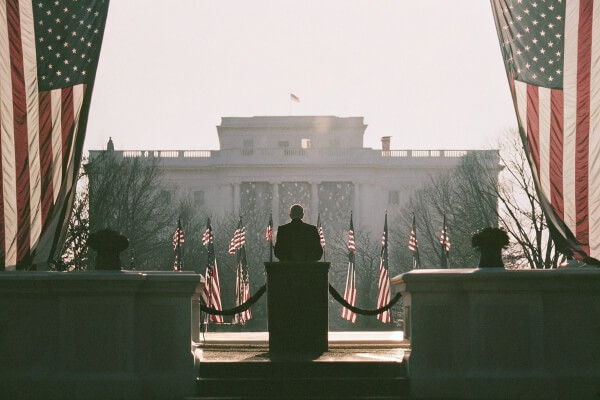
(383, 288)
(445, 245)
(551, 50)
(242, 276)
(350, 292)
(211, 294)
(413, 245)
(48, 57)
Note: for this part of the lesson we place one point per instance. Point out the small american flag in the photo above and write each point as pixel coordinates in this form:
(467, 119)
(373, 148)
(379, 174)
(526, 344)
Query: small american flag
(242, 288)
(269, 232)
(212, 289)
(242, 275)
(320, 230)
(445, 245)
(178, 236)
(350, 292)
(238, 239)
(550, 52)
(178, 239)
(413, 245)
(383, 288)
(295, 98)
(49, 52)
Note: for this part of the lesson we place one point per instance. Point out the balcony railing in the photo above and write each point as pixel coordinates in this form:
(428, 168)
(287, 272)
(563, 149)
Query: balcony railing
(296, 155)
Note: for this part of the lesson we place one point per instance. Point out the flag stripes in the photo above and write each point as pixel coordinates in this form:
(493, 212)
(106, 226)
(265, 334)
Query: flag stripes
(211, 293)
(383, 287)
(41, 131)
(350, 292)
(559, 113)
(242, 275)
(413, 245)
(178, 236)
(320, 230)
(238, 240)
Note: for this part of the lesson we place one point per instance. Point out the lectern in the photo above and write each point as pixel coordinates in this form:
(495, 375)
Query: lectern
(298, 307)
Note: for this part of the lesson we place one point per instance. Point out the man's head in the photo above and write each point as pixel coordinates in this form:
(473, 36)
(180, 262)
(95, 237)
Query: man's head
(296, 211)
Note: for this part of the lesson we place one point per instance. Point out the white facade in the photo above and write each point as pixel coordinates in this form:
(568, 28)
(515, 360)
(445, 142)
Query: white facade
(269, 163)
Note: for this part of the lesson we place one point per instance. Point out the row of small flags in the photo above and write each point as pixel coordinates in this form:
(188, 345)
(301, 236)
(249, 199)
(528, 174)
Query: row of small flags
(212, 290)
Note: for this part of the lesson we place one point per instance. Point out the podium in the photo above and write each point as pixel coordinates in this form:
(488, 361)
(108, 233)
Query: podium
(298, 307)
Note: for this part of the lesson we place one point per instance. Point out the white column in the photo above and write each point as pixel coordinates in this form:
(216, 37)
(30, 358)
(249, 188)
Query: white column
(314, 201)
(236, 199)
(275, 204)
(356, 206)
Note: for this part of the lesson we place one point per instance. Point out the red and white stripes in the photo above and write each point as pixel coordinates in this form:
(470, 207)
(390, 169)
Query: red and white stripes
(37, 135)
(563, 128)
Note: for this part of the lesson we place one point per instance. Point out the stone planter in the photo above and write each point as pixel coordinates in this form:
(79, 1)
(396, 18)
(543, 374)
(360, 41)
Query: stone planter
(490, 242)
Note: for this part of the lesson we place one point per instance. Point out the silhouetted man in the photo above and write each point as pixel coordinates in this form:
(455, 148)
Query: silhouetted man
(298, 241)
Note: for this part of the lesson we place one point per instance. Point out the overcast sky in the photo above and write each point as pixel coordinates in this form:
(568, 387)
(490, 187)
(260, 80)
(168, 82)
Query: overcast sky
(428, 73)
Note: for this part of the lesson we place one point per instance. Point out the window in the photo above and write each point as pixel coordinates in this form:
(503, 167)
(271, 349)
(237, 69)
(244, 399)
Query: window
(248, 143)
(284, 143)
(199, 197)
(393, 198)
(306, 143)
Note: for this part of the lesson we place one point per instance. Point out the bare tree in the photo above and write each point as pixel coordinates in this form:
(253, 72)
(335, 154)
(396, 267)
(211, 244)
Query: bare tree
(127, 195)
(486, 189)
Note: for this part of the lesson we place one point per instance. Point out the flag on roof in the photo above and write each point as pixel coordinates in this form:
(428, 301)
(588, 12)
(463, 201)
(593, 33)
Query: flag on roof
(295, 98)
(551, 53)
(48, 57)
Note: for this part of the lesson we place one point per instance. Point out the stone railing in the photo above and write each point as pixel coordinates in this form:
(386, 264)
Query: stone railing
(97, 335)
(503, 334)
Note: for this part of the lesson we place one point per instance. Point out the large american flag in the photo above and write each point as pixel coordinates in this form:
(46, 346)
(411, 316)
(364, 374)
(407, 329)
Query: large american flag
(350, 292)
(551, 51)
(48, 57)
(413, 245)
(383, 288)
(212, 289)
(242, 275)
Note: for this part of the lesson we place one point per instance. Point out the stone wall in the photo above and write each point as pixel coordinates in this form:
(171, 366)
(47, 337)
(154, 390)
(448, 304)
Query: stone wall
(96, 335)
(503, 334)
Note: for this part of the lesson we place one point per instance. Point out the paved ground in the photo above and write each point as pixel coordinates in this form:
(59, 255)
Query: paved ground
(343, 346)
